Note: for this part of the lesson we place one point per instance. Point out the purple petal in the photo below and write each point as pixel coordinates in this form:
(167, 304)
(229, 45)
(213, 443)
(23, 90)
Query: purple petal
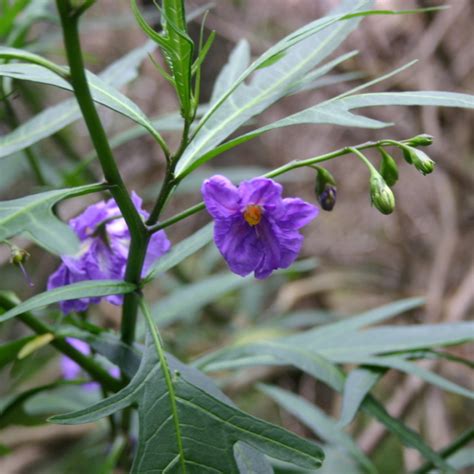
(260, 191)
(271, 249)
(296, 214)
(69, 368)
(85, 223)
(158, 246)
(290, 247)
(238, 243)
(61, 277)
(220, 196)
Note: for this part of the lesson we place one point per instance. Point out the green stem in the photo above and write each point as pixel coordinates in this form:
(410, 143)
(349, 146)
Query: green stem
(69, 17)
(96, 371)
(176, 218)
(292, 165)
(363, 158)
(167, 374)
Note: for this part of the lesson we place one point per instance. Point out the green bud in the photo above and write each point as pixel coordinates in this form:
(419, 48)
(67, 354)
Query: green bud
(381, 195)
(421, 140)
(422, 162)
(388, 168)
(325, 189)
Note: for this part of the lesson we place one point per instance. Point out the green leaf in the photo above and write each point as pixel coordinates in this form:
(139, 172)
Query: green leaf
(410, 368)
(239, 61)
(9, 15)
(358, 384)
(337, 111)
(352, 346)
(22, 55)
(307, 82)
(179, 52)
(176, 45)
(9, 351)
(59, 116)
(314, 418)
(180, 304)
(13, 407)
(181, 251)
(34, 216)
(406, 435)
(250, 461)
(315, 352)
(102, 92)
(304, 49)
(172, 412)
(83, 289)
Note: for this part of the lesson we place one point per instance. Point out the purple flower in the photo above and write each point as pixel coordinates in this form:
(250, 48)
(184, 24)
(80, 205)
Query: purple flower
(105, 241)
(255, 229)
(70, 370)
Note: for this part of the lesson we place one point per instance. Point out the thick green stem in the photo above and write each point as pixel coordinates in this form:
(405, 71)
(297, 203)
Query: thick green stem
(89, 365)
(139, 238)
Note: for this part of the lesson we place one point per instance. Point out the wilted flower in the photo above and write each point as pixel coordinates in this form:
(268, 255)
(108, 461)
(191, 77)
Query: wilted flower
(71, 370)
(105, 241)
(255, 229)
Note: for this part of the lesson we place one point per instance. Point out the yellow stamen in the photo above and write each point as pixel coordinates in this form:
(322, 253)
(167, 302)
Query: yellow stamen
(253, 214)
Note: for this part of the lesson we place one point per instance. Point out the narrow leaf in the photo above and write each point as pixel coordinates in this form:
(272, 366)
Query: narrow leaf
(83, 289)
(33, 215)
(358, 384)
(314, 418)
(304, 49)
(180, 251)
(55, 118)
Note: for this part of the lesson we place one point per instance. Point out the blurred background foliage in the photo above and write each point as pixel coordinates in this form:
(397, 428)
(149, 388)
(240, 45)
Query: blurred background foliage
(364, 259)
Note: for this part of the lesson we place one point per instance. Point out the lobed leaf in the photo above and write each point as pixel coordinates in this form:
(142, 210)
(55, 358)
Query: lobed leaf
(171, 422)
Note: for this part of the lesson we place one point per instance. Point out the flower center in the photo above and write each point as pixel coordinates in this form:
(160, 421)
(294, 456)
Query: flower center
(253, 214)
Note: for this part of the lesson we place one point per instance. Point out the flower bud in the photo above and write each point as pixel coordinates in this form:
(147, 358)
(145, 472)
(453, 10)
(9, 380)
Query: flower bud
(388, 168)
(325, 189)
(422, 162)
(381, 195)
(421, 140)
